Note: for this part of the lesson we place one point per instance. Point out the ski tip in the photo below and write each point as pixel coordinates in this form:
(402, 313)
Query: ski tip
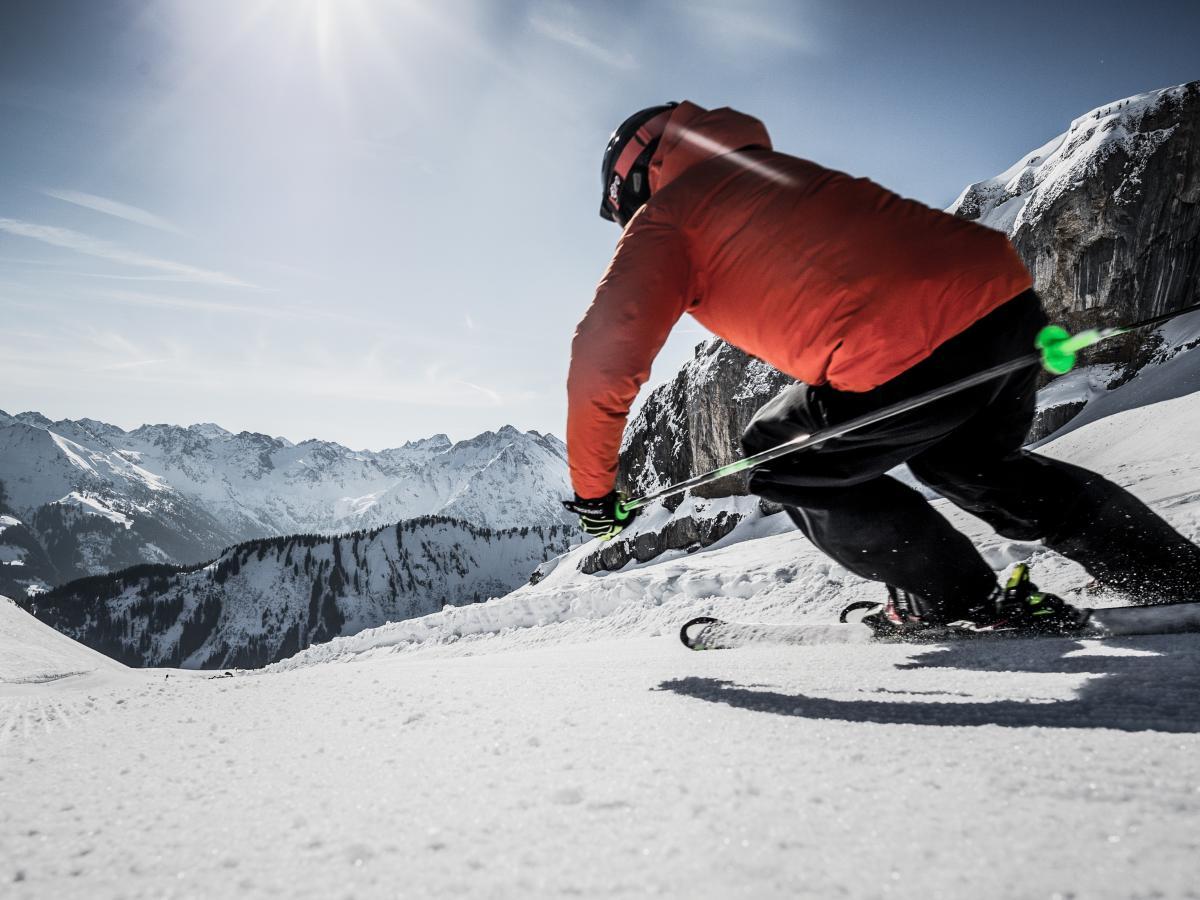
(692, 629)
(856, 606)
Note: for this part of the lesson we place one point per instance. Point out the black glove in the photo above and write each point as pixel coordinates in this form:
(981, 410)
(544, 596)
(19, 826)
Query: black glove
(603, 517)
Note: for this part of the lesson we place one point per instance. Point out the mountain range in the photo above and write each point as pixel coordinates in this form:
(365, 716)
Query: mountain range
(83, 497)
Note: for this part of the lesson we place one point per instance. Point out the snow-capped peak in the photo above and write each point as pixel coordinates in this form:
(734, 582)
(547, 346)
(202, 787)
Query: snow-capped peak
(209, 430)
(437, 442)
(1022, 192)
(33, 418)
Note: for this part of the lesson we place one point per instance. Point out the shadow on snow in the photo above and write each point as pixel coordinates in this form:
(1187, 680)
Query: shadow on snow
(1158, 692)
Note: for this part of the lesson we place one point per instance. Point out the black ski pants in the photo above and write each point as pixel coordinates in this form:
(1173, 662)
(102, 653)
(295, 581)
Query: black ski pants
(968, 448)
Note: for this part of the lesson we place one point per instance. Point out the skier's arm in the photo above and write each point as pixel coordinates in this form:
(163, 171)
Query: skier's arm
(637, 303)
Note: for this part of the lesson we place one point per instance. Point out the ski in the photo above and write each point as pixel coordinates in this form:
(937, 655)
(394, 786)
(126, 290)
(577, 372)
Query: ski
(708, 633)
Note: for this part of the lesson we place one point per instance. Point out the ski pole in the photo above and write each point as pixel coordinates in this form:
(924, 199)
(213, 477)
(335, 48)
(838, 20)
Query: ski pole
(1057, 350)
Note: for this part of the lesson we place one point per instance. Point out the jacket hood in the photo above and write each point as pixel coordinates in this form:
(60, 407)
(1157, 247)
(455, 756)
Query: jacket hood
(695, 134)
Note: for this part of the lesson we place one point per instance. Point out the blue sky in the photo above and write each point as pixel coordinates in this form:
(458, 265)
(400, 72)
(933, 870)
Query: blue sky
(374, 220)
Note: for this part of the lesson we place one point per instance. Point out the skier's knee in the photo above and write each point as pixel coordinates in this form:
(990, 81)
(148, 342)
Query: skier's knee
(783, 417)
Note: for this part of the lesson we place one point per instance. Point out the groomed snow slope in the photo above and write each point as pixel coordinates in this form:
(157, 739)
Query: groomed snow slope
(33, 653)
(591, 755)
(620, 769)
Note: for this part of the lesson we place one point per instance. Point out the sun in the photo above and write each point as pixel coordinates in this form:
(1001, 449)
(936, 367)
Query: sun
(335, 27)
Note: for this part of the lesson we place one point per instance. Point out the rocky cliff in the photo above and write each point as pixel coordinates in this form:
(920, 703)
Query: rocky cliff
(1107, 215)
(694, 424)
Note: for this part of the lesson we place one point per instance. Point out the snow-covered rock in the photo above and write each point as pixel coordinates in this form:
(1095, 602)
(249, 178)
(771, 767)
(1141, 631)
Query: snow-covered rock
(693, 524)
(1107, 214)
(694, 423)
(1130, 129)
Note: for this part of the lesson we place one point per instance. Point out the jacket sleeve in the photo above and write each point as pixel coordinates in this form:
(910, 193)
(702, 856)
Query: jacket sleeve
(637, 303)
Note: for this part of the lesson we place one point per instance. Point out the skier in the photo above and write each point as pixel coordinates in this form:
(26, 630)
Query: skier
(866, 299)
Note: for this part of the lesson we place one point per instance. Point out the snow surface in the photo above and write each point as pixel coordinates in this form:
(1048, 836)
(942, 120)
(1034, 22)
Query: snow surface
(1079, 386)
(33, 653)
(617, 768)
(1178, 377)
(560, 741)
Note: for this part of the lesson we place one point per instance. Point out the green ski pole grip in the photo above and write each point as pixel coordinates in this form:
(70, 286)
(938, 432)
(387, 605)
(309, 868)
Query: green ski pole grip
(621, 511)
(1056, 358)
(1059, 347)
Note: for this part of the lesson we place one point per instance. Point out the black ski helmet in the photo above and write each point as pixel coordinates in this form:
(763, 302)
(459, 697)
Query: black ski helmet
(625, 170)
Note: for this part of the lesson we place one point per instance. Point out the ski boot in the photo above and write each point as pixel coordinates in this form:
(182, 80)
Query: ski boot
(1020, 608)
(1015, 609)
(897, 618)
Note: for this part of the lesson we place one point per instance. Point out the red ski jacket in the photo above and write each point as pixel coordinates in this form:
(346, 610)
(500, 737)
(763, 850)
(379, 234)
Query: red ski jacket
(828, 278)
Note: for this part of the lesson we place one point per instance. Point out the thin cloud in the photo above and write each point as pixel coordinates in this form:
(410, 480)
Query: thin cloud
(279, 311)
(114, 208)
(563, 33)
(112, 277)
(86, 244)
(133, 364)
(274, 311)
(494, 396)
(750, 24)
(112, 343)
(26, 261)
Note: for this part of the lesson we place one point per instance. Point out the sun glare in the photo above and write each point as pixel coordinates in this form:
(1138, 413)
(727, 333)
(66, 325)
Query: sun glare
(333, 25)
